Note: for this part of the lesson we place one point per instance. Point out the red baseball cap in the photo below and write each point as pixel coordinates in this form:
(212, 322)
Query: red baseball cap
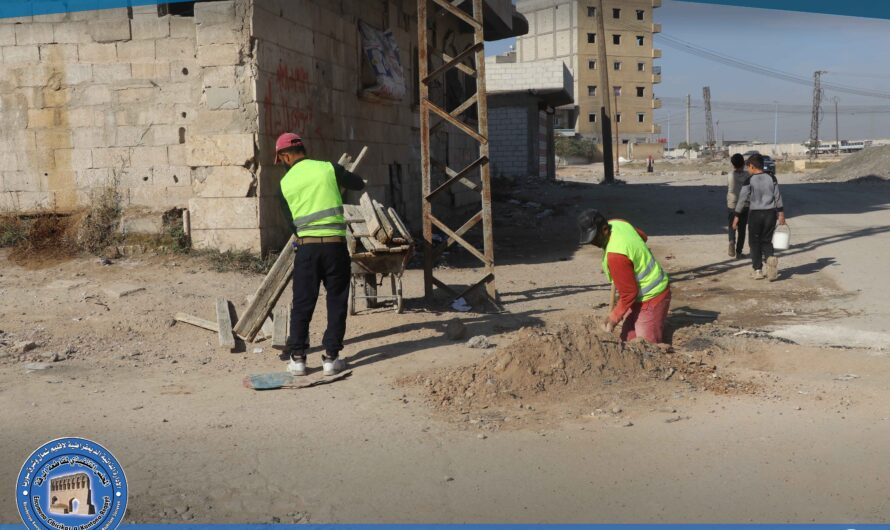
(287, 140)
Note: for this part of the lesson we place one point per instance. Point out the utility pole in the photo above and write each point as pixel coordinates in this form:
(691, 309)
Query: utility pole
(817, 110)
(669, 130)
(837, 134)
(710, 137)
(617, 138)
(776, 130)
(605, 90)
(688, 114)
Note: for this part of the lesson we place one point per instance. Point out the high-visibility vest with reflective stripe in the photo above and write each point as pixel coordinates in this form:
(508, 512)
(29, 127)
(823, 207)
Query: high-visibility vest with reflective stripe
(651, 278)
(316, 206)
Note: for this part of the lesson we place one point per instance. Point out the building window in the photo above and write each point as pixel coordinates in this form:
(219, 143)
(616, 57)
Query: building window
(618, 117)
(616, 65)
(591, 38)
(641, 67)
(591, 90)
(591, 117)
(640, 14)
(591, 64)
(616, 39)
(591, 11)
(641, 91)
(640, 40)
(617, 90)
(616, 13)
(641, 117)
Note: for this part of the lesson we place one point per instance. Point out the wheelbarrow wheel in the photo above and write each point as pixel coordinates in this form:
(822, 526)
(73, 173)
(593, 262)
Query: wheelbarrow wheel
(370, 285)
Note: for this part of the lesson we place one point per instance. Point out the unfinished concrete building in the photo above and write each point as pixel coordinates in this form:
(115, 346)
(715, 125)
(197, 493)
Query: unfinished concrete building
(522, 103)
(179, 105)
(566, 30)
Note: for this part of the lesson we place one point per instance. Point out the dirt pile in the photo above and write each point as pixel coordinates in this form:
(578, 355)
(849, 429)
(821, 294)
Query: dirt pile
(571, 359)
(871, 165)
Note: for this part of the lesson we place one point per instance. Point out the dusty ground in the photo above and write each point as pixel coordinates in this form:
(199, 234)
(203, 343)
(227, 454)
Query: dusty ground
(805, 442)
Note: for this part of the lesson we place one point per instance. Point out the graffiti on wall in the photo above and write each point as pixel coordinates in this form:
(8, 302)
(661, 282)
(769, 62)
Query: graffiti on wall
(287, 104)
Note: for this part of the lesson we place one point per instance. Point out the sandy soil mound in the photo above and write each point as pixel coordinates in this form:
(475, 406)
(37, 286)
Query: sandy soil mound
(568, 360)
(871, 165)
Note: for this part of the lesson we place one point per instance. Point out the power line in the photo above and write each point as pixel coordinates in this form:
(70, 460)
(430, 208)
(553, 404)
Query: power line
(705, 53)
(713, 55)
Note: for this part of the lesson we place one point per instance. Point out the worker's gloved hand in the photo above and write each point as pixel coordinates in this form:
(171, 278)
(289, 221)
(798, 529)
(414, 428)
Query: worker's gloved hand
(608, 326)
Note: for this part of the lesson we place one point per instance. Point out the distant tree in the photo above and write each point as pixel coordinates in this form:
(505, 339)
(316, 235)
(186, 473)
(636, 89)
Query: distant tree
(694, 146)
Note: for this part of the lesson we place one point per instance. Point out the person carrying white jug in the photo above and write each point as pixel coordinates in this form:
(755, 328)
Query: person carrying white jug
(761, 191)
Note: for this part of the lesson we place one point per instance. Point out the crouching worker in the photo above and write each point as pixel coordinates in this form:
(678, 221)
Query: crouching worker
(311, 192)
(642, 285)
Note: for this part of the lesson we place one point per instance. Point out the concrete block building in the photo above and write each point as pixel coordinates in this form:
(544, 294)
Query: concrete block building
(179, 105)
(522, 101)
(566, 30)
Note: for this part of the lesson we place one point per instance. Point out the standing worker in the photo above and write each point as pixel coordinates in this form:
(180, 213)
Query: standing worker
(311, 190)
(766, 208)
(734, 184)
(643, 286)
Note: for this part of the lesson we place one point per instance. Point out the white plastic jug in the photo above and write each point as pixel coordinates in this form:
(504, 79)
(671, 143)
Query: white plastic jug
(782, 237)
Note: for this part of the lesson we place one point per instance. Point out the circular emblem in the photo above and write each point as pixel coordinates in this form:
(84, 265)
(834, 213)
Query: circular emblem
(71, 484)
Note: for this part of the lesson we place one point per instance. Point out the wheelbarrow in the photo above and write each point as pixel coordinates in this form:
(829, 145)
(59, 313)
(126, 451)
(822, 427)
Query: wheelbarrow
(369, 272)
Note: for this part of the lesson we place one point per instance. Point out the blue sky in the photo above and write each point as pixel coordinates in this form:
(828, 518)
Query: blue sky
(854, 51)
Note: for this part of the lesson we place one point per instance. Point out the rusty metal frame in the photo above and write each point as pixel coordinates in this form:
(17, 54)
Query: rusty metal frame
(428, 10)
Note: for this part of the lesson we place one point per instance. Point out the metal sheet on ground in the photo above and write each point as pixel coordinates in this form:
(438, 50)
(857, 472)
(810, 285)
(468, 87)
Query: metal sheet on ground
(276, 380)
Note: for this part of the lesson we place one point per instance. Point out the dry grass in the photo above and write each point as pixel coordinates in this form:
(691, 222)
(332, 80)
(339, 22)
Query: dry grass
(98, 227)
(49, 235)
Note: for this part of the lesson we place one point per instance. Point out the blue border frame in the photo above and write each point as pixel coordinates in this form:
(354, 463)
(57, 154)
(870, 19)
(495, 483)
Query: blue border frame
(866, 9)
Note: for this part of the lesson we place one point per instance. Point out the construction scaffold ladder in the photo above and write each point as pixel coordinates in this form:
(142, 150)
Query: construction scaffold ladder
(476, 175)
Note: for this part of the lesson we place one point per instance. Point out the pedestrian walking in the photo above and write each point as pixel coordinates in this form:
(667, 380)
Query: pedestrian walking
(761, 192)
(734, 184)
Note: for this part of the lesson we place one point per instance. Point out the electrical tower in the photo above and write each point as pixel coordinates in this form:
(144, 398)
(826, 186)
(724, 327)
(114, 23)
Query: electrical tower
(710, 140)
(817, 111)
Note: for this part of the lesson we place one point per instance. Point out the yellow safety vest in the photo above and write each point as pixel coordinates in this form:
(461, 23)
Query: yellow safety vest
(625, 240)
(310, 188)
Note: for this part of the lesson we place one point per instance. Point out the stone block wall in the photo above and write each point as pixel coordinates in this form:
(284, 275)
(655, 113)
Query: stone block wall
(309, 79)
(163, 106)
(508, 131)
(183, 111)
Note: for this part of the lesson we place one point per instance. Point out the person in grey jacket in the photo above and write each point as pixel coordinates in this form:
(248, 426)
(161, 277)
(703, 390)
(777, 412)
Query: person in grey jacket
(734, 185)
(761, 190)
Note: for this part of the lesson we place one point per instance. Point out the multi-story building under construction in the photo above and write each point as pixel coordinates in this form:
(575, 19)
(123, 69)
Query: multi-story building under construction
(567, 30)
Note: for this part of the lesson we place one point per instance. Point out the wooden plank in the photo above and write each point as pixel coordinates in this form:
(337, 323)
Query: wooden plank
(195, 321)
(360, 229)
(400, 226)
(224, 321)
(268, 293)
(266, 330)
(275, 282)
(370, 214)
(358, 159)
(281, 320)
(350, 242)
(372, 244)
(353, 213)
(385, 234)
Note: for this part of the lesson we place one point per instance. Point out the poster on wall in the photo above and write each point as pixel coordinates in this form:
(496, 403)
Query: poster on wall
(382, 53)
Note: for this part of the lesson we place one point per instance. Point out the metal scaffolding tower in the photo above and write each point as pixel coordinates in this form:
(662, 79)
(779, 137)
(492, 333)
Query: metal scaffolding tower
(710, 140)
(470, 61)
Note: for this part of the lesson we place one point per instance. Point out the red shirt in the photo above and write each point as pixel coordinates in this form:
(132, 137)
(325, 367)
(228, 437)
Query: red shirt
(622, 271)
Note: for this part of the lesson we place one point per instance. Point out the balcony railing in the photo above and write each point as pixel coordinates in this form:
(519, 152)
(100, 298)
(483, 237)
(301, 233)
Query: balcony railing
(656, 53)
